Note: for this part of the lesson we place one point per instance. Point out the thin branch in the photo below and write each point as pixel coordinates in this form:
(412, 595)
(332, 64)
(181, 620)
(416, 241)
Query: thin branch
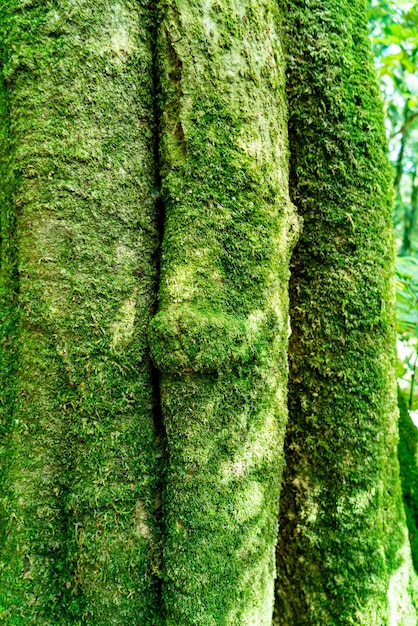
(405, 125)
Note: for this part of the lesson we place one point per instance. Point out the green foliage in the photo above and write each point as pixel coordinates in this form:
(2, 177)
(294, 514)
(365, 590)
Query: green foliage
(395, 42)
(394, 27)
(407, 326)
(408, 460)
(406, 269)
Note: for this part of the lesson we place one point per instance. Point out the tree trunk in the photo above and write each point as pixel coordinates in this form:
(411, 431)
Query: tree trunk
(220, 336)
(343, 554)
(79, 243)
(85, 450)
(82, 460)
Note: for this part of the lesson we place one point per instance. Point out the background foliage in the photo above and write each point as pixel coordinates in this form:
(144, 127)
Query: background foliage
(394, 31)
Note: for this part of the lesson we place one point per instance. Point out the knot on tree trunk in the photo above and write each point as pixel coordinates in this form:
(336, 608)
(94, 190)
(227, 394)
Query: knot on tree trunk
(185, 339)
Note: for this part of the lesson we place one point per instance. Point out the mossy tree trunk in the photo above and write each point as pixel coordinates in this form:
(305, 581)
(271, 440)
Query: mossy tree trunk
(220, 336)
(81, 457)
(84, 451)
(80, 453)
(343, 554)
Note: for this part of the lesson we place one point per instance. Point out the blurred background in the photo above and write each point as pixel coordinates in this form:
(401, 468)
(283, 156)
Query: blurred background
(394, 33)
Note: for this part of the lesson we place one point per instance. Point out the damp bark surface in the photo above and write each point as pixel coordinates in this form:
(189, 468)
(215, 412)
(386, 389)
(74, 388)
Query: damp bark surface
(79, 452)
(343, 555)
(220, 335)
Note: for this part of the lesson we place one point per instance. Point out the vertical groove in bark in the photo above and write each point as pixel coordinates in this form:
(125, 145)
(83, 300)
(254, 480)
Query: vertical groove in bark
(79, 491)
(220, 335)
(342, 554)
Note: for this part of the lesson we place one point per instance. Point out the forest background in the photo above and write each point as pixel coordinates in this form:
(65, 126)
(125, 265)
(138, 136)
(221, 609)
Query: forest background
(394, 30)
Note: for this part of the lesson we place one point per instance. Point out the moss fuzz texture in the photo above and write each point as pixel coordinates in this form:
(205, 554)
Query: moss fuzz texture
(220, 335)
(79, 451)
(342, 556)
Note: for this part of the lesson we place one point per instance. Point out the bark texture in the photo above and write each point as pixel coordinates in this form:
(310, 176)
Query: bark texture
(80, 454)
(79, 451)
(343, 555)
(220, 335)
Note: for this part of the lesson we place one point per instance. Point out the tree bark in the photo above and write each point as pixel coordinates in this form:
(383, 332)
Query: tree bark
(84, 449)
(82, 459)
(79, 278)
(343, 555)
(220, 335)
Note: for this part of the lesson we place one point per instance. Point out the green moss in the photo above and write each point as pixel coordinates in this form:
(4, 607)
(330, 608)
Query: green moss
(220, 335)
(80, 451)
(342, 526)
(8, 293)
(193, 340)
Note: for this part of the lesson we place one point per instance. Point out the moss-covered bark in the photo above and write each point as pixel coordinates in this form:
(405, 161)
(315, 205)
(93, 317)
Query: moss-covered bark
(220, 335)
(79, 237)
(8, 294)
(342, 554)
(408, 461)
(80, 456)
